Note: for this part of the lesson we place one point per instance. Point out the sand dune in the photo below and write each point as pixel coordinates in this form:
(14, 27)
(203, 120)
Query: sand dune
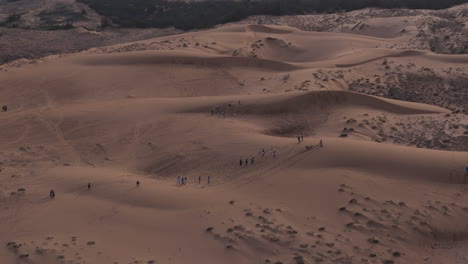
(387, 186)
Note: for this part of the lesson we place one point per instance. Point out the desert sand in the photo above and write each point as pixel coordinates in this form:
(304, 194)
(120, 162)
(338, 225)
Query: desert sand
(387, 186)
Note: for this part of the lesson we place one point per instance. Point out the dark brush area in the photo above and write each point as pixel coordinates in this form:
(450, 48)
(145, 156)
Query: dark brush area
(204, 14)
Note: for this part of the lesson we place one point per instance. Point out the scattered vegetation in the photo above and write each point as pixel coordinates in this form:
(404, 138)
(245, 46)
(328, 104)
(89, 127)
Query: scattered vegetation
(10, 19)
(65, 26)
(203, 14)
(60, 17)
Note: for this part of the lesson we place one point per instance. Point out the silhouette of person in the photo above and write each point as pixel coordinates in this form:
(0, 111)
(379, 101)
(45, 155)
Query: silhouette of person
(52, 194)
(209, 179)
(138, 184)
(321, 145)
(240, 162)
(246, 162)
(89, 185)
(5, 108)
(252, 161)
(298, 139)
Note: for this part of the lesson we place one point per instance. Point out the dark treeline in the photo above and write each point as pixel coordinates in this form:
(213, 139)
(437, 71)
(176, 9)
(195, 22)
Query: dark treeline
(193, 15)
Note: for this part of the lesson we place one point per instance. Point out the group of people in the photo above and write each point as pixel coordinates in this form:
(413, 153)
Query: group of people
(300, 138)
(272, 151)
(180, 181)
(52, 191)
(183, 180)
(252, 162)
(217, 109)
(261, 152)
(312, 146)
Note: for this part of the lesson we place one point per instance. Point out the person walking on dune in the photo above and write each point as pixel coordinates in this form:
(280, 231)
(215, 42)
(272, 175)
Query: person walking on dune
(209, 179)
(52, 194)
(298, 139)
(252, 161)
(89, 185)
(274, 154)
(246, 162)
(240, 162)
(178, 180)
(263, 152)
(302, 137)
(138, 184)
(321, 145)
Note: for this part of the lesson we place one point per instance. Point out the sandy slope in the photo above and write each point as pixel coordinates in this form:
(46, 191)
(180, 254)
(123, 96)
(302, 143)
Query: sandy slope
(192, 106)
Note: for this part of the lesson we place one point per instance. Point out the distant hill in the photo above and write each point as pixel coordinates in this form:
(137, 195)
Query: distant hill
(36, 29)
(203, 14)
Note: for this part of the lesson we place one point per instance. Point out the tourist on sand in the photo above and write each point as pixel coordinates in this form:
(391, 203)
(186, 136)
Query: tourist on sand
(240, 162)
(185, 180)
(89, 185)
(246, 162)
(252, 161)
(274, 154)
(52, 194)
(298, 139)
(263, 152)
(178, 180)
(5, 108)
(209, 179)
(321, 145)
(138, 184)
(302, 137)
